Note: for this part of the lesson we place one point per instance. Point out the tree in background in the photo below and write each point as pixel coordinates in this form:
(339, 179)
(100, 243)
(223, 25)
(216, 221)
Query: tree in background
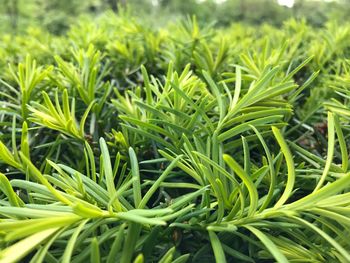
(58, 15)
(115, 4)
(12, 10)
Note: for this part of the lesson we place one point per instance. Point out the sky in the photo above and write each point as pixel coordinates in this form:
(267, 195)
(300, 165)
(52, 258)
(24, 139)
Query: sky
(288, 3)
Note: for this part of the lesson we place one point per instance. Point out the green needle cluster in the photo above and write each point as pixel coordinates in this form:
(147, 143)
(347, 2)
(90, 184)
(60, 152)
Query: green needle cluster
(124, 143)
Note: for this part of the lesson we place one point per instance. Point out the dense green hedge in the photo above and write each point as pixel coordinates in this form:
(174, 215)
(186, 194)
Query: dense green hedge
(120, 142)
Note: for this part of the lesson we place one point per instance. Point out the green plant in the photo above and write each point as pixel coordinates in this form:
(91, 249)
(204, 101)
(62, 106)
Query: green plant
(204, 153)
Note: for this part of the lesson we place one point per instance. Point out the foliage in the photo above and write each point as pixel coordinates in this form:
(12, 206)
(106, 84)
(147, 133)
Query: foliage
(57, 16)
(121, 142)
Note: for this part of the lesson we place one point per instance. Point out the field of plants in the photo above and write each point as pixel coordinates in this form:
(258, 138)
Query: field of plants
(125, 142)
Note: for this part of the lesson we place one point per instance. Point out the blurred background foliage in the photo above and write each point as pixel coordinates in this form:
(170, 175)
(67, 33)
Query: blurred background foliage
(58, 15)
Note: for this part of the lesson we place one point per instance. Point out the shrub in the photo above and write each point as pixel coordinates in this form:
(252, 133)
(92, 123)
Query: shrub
(125, 143)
